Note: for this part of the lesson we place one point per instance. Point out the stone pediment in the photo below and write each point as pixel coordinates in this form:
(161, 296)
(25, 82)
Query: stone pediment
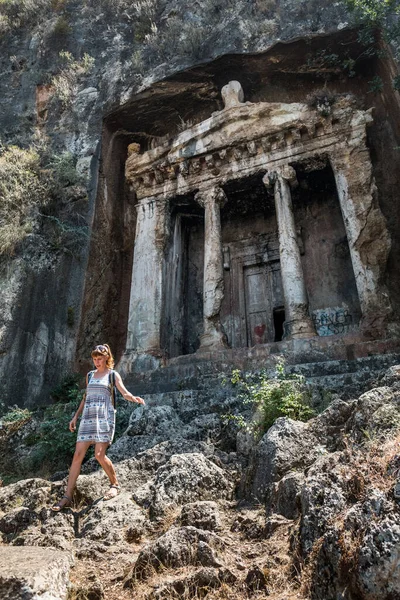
(238, 141)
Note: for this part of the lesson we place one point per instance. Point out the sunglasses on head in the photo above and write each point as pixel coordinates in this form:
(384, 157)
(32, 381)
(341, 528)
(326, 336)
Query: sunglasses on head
(101, 348)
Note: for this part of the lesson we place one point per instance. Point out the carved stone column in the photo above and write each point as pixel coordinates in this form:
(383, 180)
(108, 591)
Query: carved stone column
(298, 323)
(147, 277)
(367, 234)
(212, 199)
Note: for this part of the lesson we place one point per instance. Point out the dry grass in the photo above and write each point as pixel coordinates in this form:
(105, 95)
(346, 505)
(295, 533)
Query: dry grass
(374, 465)
(272, 556)
(23, 188)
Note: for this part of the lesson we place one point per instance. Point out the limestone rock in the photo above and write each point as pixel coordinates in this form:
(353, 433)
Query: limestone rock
(188, 477)
(157, 420)
(109, 520)
(376, 412)
(287, 445)
(379, 560)
(194, 585)
(159, 454)
(251, 524)
(203, 515)
(285, 495)
(33, 573)
(322, 497)
(31, 493)
(177, 548)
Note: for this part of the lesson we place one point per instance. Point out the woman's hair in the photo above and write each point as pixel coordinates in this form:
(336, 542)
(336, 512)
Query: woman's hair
(104, 350)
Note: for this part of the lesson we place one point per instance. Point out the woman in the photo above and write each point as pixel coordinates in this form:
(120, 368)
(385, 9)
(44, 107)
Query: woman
(98, 422)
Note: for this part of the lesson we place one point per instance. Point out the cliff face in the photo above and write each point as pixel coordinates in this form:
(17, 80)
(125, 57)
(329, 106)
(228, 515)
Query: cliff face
(82, 80)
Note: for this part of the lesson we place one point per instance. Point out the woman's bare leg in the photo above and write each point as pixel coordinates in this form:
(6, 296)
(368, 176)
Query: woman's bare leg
(100, 454)
(75, 469)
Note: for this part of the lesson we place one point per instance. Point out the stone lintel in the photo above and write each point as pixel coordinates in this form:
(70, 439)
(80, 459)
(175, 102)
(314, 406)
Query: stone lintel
(191, 161)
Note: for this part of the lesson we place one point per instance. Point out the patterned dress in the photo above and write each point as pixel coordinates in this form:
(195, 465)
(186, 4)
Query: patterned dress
(98, 418)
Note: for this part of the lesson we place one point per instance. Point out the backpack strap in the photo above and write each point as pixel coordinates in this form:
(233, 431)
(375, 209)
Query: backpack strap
(88, 378)
(113, 394)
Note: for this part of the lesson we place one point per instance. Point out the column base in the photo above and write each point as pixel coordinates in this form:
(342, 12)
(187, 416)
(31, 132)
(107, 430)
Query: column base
(133, 361)
(299, 329)
(212, 341)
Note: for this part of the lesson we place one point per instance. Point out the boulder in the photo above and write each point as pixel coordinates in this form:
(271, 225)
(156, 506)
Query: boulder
(160, 453)
(178, 547)
(34, 573)
(376, 413)
(255, 580)
(194, 585)
(188, 477)
(108, 521)
(379, 560)
(162, 421)
(31, 493)
(322, 498)
(285, 496)
(45, 528)
(203, 515)
(287, 445)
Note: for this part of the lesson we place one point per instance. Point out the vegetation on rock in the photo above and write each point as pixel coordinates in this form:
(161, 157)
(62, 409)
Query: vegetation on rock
(24, 188)
(32, 189)
(281, 395)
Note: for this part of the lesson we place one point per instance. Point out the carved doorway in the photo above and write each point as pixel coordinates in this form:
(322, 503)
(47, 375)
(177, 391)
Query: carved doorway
(252, 311)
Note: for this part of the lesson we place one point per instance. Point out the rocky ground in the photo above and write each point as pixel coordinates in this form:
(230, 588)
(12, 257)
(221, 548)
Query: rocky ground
(309, 512)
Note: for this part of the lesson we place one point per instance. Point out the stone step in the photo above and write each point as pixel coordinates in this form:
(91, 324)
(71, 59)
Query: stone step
(311, 359)
(364, 365)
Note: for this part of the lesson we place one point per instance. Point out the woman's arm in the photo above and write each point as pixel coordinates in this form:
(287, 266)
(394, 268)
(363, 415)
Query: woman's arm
(72, 424)
(127, 395)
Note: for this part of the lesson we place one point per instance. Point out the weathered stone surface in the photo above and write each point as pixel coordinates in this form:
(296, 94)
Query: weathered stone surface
(379, 559)
(109, 521)
(203, 515)
(285, 497)
(177, 548)
(376, 413)
(287, 445)
(32, 493)
(322, 497)
(33, 573)
(251, 524)
(255, 580)
(188, 477)
(194, 585)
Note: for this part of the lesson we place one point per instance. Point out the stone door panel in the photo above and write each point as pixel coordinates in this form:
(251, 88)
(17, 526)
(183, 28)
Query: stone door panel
(257, 291)
(253, 289)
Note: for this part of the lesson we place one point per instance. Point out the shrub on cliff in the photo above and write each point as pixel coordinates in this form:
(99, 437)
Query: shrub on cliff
(23, 189)
(20, 13)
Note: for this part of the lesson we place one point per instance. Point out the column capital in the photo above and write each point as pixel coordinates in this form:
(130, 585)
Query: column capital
(285, 172)
(212, 195)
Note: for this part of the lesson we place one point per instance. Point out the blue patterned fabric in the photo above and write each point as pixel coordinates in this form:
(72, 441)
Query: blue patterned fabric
(98, 418)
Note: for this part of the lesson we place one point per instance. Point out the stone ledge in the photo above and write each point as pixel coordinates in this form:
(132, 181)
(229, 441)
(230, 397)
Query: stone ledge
(34, 573)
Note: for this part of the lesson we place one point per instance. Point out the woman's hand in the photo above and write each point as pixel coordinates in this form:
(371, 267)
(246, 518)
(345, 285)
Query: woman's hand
(131, 398)
(139, 400)
(72, 424)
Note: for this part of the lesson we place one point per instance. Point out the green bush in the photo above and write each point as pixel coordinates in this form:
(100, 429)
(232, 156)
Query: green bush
(69, 390)
(282, 395)
(53, 445)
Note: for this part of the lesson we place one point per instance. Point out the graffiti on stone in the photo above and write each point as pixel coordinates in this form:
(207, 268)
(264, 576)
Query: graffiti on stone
(332, 321)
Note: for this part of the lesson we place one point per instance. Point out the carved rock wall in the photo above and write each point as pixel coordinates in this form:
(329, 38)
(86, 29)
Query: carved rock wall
(107, 108)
